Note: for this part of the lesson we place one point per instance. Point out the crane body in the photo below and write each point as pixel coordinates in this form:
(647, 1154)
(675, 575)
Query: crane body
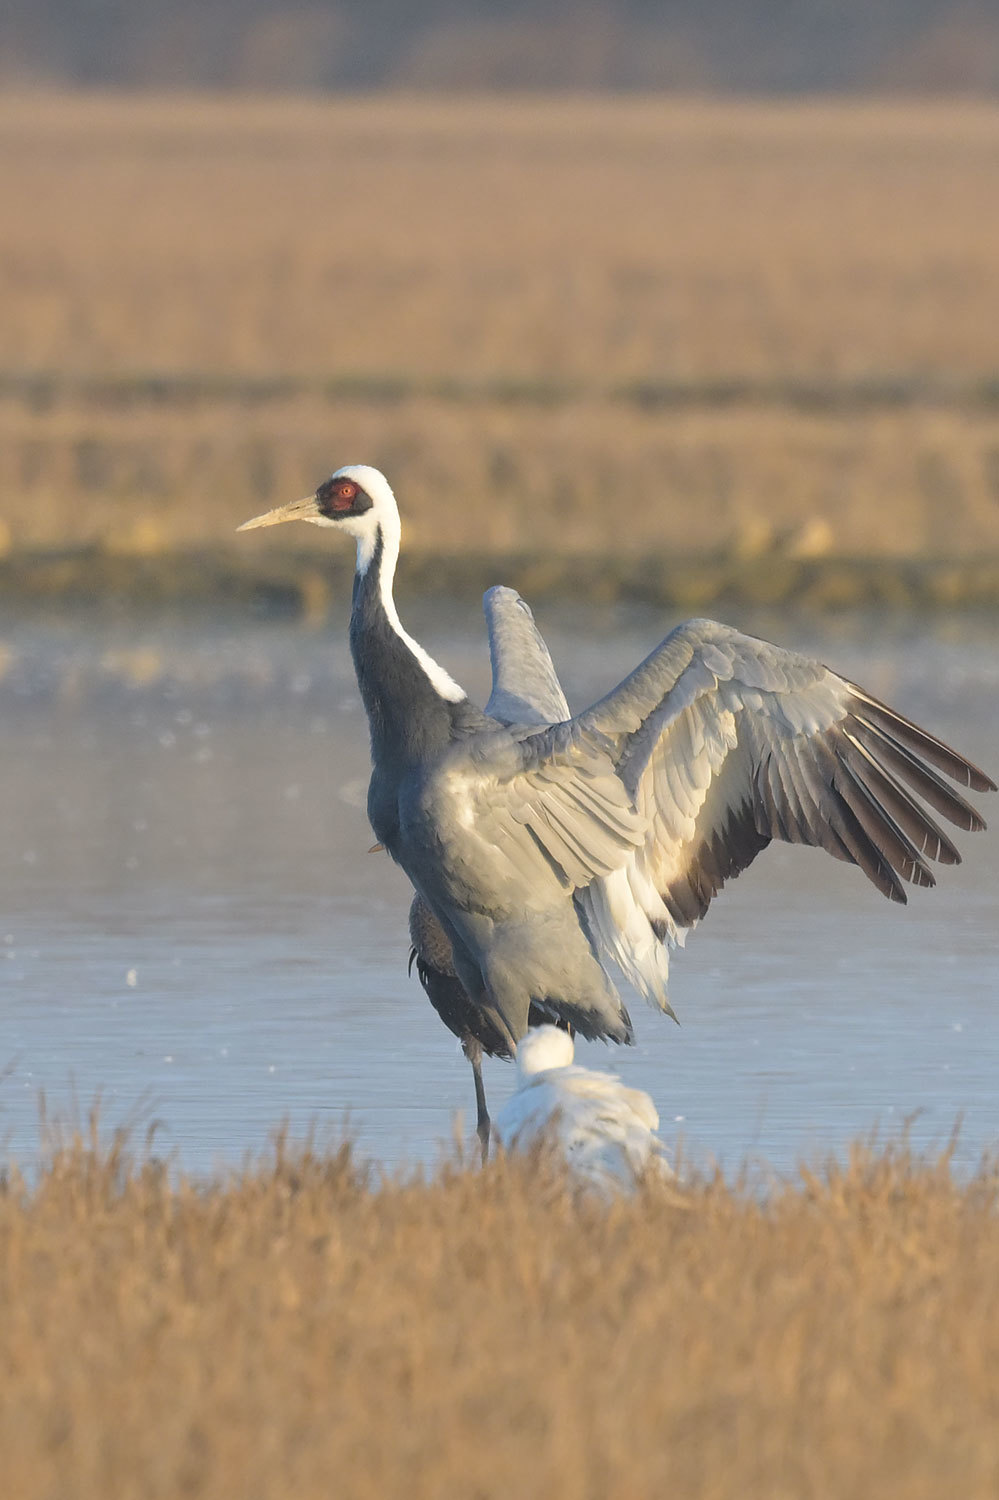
(546, 848)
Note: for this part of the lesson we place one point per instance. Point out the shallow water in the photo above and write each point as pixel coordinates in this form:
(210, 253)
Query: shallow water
(191, 924)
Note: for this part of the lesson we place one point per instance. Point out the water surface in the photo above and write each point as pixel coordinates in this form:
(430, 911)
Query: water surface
(192, 925)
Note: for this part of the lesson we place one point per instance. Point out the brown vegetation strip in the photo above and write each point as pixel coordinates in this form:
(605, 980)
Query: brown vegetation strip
(299, 1330)
(41, 389)
(589, 477)
(301, 585)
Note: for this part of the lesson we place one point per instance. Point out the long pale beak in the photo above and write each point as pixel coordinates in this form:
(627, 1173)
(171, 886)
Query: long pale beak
(295, 510)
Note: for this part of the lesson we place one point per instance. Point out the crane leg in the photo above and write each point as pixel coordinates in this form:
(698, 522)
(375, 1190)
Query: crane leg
(482, 1121)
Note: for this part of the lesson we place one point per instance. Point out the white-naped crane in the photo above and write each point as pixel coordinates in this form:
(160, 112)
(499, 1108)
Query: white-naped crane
(603, 1131)
(543, 846)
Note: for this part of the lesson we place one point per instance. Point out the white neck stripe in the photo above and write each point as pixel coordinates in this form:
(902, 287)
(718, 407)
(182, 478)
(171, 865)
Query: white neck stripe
(383, 519)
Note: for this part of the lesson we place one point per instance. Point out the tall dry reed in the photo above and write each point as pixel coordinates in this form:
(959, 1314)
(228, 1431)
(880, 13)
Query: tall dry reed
(304, 1329)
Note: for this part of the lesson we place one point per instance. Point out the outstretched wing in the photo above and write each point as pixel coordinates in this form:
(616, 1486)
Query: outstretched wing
(725, 742)
(526, 689)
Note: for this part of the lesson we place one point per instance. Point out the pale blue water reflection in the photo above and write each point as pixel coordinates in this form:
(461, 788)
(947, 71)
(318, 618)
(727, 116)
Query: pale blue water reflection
(191, 923)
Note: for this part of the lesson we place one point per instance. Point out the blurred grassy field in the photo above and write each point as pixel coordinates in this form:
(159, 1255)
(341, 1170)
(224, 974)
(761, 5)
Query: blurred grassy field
(586, 327)
(300, 1330)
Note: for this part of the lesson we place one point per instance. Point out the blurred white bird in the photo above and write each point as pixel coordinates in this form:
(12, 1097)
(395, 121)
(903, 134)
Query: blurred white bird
(605, 1131)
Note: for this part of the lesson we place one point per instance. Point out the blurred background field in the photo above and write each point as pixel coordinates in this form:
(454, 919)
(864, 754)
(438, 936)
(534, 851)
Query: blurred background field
(598, 328)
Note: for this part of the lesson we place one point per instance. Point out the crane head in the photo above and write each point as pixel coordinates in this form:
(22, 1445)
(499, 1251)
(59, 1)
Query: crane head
(343, 500)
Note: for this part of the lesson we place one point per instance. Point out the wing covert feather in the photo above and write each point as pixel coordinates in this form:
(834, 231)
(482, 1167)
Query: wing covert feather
(570, 799)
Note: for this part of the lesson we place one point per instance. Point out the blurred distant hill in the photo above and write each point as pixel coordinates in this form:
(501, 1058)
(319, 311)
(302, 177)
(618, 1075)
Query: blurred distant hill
(758, 46)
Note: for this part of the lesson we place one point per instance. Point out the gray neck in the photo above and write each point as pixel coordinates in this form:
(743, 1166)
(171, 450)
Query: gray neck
(409, 717)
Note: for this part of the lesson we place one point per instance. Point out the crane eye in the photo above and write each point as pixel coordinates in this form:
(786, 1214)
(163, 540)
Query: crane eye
(344, 495)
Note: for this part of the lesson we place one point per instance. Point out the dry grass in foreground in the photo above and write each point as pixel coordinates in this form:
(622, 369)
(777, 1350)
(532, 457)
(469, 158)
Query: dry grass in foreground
(298, 1330)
